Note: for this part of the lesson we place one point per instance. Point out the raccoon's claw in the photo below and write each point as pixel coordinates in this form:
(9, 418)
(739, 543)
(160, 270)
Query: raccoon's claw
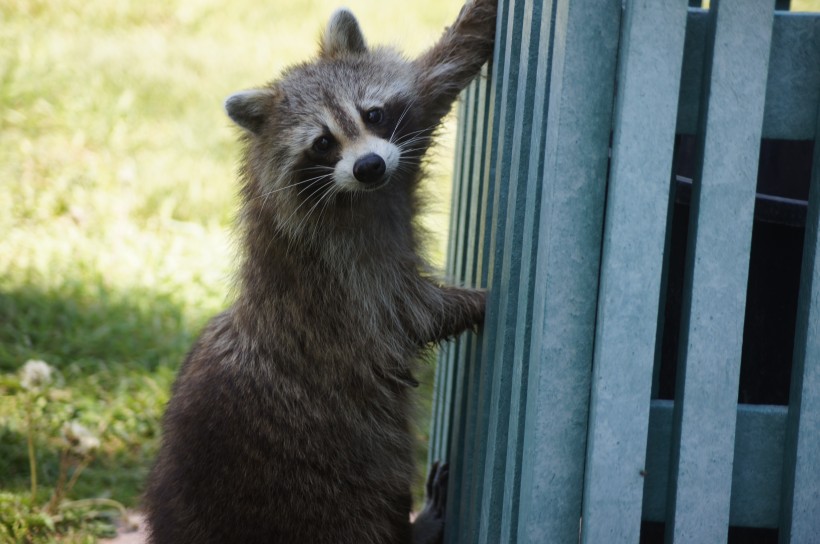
(437, 488)
(429, 525)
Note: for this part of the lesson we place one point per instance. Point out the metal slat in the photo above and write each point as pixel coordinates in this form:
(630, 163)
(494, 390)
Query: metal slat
(717, 270)
(455, 349)
(801, 500)
(567, 259)
(457, 354)
(793, 83)
(793, 88)
(464, 428)
(458, 220)
(479, 167)
(468, 495)
(542, 21)
(464, 357)
(467, 185)
(488, 519)
(441, 394)
(457, 518)
(651, 54)
(756, 473)
(496, 463)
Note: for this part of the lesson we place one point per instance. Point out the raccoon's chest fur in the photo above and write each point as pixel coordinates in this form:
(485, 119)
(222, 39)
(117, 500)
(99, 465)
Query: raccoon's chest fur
(337, 338)
(296, 400)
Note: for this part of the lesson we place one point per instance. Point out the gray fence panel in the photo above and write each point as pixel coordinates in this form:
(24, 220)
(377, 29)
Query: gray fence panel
(497, 367)
(793, 89)
(794, 75)
(474, 136)
(437, 448)
(801, 489)
(440, 391)
(468, 494)
(540, 53)
(651, 53)
(546, 417)
(756, 473)
(463, 428)
(717, 269)
(576, 146)
(478, 278)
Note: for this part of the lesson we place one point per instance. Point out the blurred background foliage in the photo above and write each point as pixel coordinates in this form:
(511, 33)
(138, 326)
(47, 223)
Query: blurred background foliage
(117, 193)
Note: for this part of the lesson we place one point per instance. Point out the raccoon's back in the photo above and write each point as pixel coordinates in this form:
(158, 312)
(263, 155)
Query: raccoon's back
(254, 450)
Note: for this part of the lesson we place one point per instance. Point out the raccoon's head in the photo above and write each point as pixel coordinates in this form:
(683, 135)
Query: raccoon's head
(356, 120)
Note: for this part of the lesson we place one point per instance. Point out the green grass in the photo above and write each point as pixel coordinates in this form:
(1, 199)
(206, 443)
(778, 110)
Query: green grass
(117, 192)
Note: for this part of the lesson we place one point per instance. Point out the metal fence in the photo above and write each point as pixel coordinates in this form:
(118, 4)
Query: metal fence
(632, 186)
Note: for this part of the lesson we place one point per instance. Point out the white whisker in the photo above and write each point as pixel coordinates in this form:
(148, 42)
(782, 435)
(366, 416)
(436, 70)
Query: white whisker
(267, 194)
(298, 229)
(287, 222)
(401, 117)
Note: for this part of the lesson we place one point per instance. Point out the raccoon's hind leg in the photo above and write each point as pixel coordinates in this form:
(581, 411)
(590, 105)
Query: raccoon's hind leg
(428, 528)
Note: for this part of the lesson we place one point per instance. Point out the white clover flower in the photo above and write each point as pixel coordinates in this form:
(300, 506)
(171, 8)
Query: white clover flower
(79, 439)
(36, 375)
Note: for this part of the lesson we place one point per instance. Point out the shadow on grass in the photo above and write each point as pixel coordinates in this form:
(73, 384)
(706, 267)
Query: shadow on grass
(116, 353)
(92, 327)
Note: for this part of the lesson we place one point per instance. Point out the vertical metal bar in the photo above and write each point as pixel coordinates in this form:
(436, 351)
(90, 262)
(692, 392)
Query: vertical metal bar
(467, 183)
(800, 504)
(492, 364)
(567, 260)
(651, 54)
(464, 358)
(462, 456)
(510, 255)
(722, 211)
(468, 496)
(493, 220)
(455, 368)
(441, 394)
(540, 59)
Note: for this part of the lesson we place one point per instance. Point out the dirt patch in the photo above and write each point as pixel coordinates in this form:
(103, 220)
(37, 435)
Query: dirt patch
(130, 531)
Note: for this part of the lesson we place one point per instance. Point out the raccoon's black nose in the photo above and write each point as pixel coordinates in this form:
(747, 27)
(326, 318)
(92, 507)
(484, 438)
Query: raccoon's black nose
(369, 169)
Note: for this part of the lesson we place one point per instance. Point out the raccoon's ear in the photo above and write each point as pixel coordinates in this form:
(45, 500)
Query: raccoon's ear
(342, 36)
(249, 109)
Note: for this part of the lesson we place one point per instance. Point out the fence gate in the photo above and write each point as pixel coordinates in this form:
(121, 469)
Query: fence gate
(632, 185)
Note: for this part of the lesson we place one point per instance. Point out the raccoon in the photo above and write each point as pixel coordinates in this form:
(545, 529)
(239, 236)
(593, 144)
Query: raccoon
(289, 421)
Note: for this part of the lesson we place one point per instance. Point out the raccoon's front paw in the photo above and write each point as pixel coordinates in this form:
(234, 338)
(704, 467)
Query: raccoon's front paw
(479, 299)
(429, 525)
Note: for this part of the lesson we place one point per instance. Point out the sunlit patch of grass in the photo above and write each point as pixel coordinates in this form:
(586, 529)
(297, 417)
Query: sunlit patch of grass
(806, 5)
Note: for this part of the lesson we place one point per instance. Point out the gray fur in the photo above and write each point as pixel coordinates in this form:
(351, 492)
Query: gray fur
(247, 108)
(343, 36)
(290, 420)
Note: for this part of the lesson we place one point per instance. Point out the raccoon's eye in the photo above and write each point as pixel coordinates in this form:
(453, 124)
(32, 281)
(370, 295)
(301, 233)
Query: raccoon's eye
(374, 116)
(322, 144)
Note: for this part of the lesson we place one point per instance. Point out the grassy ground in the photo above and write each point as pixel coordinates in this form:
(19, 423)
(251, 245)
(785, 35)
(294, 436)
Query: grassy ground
(117, 193)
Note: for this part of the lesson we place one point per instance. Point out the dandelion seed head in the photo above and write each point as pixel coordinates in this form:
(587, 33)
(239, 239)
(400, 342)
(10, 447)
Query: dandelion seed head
(36, 375)
(79, 439)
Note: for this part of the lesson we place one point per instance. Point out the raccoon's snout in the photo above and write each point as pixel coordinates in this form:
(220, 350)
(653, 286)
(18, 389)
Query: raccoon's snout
(369, 168)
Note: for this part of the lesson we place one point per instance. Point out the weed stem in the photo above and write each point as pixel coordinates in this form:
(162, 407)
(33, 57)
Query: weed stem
(32, 460)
